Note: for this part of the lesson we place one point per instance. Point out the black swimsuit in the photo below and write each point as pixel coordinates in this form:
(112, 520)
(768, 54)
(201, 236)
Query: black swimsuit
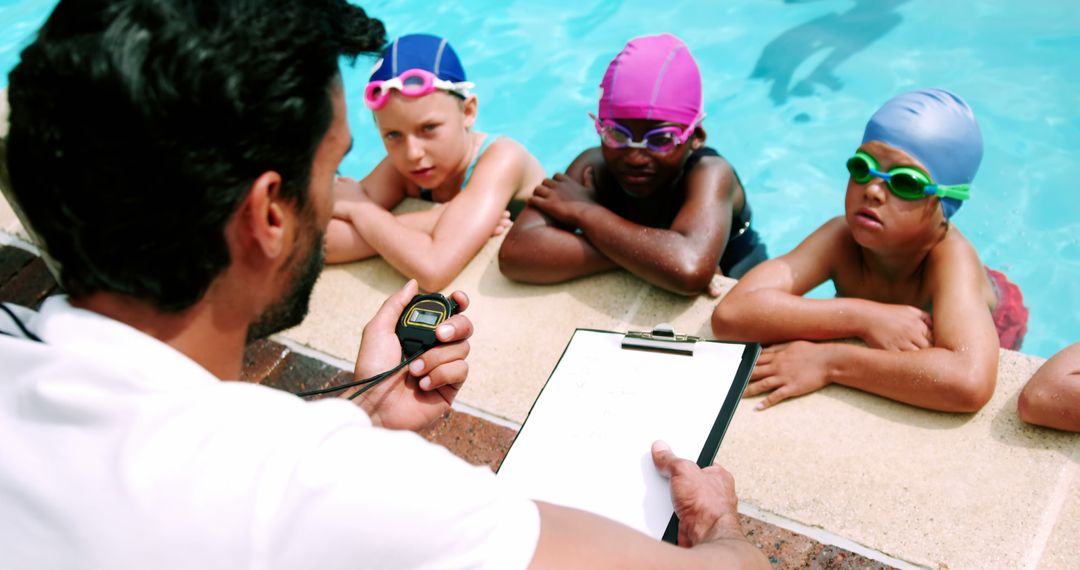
(744, 246)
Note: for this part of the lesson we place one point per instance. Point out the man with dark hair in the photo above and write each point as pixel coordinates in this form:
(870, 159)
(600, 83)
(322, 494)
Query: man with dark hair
(177, 159)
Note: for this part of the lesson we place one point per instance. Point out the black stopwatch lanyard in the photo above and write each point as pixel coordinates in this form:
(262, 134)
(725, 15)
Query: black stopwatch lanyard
(18, 323)
(368, 383)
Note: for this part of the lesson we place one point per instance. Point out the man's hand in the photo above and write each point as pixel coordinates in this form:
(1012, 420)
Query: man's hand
(704, 499)
(420, 393)
(898, 327)
(788, 370)
(564, 199)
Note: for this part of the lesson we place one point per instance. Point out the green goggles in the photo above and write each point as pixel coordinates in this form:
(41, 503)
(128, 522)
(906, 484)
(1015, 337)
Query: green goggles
(906, 182)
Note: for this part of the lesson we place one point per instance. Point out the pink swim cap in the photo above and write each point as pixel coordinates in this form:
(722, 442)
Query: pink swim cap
(655, 78)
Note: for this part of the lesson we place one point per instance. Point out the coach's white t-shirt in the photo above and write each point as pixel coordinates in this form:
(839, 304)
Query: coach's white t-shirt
(117, 451)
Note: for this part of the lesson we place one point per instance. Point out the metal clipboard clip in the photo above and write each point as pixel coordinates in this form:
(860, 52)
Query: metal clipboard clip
(661, 339)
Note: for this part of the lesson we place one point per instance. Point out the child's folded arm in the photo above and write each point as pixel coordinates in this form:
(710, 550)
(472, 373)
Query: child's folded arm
(935, 378)
(767, 305)
(684, 257)
(1052, 397)
(959, 372)
(680, 260)
(537, 251)
(383, 187)
(770, 316)
(464, 226)
(423, 220)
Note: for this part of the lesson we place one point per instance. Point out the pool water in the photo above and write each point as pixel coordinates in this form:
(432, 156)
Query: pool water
(788, 86)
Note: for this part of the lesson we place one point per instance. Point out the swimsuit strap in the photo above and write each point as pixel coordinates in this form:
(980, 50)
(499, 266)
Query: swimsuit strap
(480, 152)
(740, 223)
(425, 193)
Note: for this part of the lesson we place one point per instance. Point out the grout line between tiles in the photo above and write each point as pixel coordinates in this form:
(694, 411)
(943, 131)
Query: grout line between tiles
(305, 350)
(16, 241)
(633, 309)
(466, 408)
(1051, 515)
(824, 537)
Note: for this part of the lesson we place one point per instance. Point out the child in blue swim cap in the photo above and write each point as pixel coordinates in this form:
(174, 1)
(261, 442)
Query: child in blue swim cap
(908, 283)
(424, 110)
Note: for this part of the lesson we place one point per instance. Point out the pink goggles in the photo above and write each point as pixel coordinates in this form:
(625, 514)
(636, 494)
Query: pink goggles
(411, 83)
(660, 140)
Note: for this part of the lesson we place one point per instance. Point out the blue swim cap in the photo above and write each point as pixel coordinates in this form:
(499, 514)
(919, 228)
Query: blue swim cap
(938, 129)
(419, 51)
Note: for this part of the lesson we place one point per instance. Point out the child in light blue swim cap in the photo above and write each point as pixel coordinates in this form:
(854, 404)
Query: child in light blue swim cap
(908, 283)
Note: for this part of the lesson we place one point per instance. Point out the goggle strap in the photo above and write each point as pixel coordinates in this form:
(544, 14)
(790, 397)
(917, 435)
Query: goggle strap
(954, 191)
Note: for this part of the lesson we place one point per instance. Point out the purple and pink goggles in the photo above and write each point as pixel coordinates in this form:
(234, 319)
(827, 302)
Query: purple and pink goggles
(659, 140)
(411, 83)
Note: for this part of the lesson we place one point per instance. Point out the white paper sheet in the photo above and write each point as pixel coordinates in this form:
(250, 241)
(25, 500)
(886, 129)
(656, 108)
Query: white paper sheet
(587, 440)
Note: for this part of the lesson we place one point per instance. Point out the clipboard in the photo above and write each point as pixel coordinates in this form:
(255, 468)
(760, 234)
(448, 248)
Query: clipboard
(586, 441)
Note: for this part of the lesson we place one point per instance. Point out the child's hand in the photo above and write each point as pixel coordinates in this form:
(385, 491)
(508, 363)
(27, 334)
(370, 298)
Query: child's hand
(503, 225)
(719, 284)
(346, 188)
(898, 327)
(788, 370)
(349, 190)
(347, 194)
(564, 199)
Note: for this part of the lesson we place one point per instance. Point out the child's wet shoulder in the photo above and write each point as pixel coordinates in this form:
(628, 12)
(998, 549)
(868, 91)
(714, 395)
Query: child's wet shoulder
(503, 148)
(835, 240)
(952, 249)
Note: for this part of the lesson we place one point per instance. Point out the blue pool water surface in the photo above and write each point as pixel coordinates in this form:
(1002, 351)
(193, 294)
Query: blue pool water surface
(788, 86)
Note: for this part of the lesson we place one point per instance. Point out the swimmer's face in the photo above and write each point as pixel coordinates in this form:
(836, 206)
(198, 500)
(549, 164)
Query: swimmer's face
(427, 138)
(880, 220)
(643, 173)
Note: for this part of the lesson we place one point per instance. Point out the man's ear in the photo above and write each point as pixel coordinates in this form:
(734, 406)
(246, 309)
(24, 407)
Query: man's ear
(697, 140)
(264, 215)
(469, 107)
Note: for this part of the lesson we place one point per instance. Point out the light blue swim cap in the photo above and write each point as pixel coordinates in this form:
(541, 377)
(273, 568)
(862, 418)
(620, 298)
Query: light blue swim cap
(938, 129)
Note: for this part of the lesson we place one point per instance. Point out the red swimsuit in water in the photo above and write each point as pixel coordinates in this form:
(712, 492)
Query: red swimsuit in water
(1010, 316)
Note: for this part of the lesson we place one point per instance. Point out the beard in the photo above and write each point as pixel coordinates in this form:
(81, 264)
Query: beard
(292, 307)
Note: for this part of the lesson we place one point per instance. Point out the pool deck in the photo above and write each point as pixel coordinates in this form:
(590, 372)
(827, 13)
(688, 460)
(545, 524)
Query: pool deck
(860, 480)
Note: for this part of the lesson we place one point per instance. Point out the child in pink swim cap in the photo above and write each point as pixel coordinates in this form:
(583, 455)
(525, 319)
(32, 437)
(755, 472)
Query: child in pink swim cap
(651, 198)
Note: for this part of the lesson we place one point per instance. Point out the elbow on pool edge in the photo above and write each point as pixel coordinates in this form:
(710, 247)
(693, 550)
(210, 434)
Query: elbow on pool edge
(434, 280)
(726, 320)
(690, 277)
(973, 392)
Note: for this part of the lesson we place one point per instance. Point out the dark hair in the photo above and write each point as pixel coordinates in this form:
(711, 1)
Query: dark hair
(138, 126)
